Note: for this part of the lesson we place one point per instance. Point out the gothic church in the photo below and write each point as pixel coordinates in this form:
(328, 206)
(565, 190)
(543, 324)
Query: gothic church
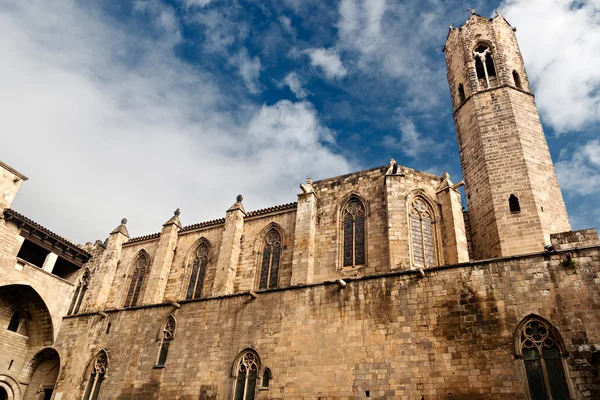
(375, 284)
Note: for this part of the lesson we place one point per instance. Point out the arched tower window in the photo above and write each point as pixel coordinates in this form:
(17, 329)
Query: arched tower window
(517, 79)
(199, 266)
(353, 219)
(137, 279)
(484, 64)
(14, 323)
(96, 378)
(166, 336)
(246, 375)
(79, 293)
(422, 233)
(513, 204)
(269, 271)
(461, 93)
(542, 353)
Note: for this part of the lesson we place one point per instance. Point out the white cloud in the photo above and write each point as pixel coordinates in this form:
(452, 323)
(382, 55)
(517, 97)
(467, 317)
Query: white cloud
(249, 69)
(292, 80)
(360, 23)
(328, 60)
(411, 141)
(108, 123)
(199, 3)
(560, 42)
(581, 174)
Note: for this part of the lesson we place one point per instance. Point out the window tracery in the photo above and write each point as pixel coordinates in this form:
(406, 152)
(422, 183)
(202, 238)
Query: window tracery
(353, 220)
(422, 231)
(79, 293)
(167, 335)
(137, 279)
(96, 377)
(542, 356)
(269, 273)
(484, 63)
(198, 274)
(246, 376)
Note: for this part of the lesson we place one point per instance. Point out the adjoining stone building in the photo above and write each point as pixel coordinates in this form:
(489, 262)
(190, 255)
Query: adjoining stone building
(374, 284)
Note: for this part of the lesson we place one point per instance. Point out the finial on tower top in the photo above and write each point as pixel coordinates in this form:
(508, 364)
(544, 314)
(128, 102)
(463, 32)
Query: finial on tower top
(177, 212)
(124, 221)
(472, 11)
(392, 161)
(239, 198)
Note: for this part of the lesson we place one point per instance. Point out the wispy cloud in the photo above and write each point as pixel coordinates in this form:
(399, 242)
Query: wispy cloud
(292, 80)
(411, 141)
(328, 60)
(249, 69)
(580, 174)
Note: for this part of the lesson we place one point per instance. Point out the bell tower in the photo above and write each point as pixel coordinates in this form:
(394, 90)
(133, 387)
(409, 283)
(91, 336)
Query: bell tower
(512, 193)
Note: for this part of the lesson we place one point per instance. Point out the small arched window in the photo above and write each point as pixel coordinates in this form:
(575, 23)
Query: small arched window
(513, 204)
(137, 279)
(353, 217)
(266, 379)
(79, 293)
(461, 93)
(14, 323)
(543, 357)
(422, 233)
(199, 266)
(166, 336)
(517, 79)
(96, 377)
(270, 260)
(246, 375)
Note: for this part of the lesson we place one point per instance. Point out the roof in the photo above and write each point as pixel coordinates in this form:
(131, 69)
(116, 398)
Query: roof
(268, 210)
(48, 238)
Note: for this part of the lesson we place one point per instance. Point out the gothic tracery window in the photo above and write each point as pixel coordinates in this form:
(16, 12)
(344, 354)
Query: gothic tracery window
(137, 280)
(79, 293)
(199, 266)
(270, 260)
(167, 335)
(543, 356)
(353, 220)
(96, 377)
(246, 376)
(422, 232)
(484, 64)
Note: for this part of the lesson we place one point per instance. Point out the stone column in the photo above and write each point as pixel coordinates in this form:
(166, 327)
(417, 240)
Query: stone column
(108, 266)
(163, 259)
(229, 252)
(303, 259)
(454, 236)
(397, 223)
(50, 262)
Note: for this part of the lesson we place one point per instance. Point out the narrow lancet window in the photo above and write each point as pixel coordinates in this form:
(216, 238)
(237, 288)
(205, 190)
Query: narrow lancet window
(270, 261)
(137, 280)
(79, 293)
(517, 79)
(543, 357)
(96, 378)
(167, 335)
(422, 232)
(461, 93)
(354, 233)
(513, 204)
(13, 325)
(199, 266)
(246, 376)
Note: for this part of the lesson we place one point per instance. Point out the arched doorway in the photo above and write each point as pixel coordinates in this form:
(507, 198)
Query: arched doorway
(40, 374)
(3, 394)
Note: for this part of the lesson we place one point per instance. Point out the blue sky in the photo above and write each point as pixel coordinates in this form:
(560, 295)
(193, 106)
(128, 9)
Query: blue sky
(132, 109)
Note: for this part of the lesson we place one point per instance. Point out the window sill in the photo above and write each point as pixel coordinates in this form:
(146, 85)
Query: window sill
(158, 366)
(353, 268)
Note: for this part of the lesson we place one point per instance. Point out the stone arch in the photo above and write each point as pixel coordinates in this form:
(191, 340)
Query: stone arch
(433, 207)
(95, 374)
(525, 320)
(238, 358)
(341, 211)
(189, 268)
(134, 290)
(10, 387)
(159, 333)
(41, 372)
(260, 245)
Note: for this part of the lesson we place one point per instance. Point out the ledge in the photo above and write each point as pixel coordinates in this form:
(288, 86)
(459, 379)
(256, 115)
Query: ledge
(490, 90)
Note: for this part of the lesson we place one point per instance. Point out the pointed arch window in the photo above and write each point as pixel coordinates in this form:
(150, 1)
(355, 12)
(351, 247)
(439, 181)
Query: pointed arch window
(199, 266)
(484, 63)
(166, 337)
(422, 232)
(14, 323)
(543, 357)
(269, 272)
(461, 93)
(96, 378)
(353, 219)
(513, 204)
(517, 79)
(137, 280)
(246, 376)
(79, 293)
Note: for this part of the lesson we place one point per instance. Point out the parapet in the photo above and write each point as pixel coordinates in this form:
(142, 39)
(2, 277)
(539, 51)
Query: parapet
(574, 239)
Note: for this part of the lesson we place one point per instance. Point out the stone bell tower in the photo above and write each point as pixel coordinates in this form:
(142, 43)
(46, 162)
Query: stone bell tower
(514, 201)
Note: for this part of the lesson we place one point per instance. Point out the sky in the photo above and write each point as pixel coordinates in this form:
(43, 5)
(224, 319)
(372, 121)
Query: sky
(136, 108)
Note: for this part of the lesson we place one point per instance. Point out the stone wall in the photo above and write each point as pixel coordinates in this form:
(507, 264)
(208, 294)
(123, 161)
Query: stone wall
(448, 335)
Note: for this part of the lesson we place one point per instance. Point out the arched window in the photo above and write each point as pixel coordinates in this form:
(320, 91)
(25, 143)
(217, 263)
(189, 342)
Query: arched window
(137, 279)
(270, 260)
(461, 93)
(541, 349)
(246, 375)
(266, 378)
(484, 63)
(96, 376)
(79, 293)
(353, 220)
(422, 233)
(517, 79)
(14, 323)
(166, 336)
(199, 266)
(513, 204)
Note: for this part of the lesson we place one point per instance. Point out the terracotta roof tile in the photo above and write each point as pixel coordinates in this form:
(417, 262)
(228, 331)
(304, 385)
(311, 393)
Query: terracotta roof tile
(282, 207)
(143, 238)
(203, 225)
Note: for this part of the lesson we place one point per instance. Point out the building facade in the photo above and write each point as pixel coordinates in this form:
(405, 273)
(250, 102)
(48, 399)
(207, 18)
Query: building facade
(374, 284)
